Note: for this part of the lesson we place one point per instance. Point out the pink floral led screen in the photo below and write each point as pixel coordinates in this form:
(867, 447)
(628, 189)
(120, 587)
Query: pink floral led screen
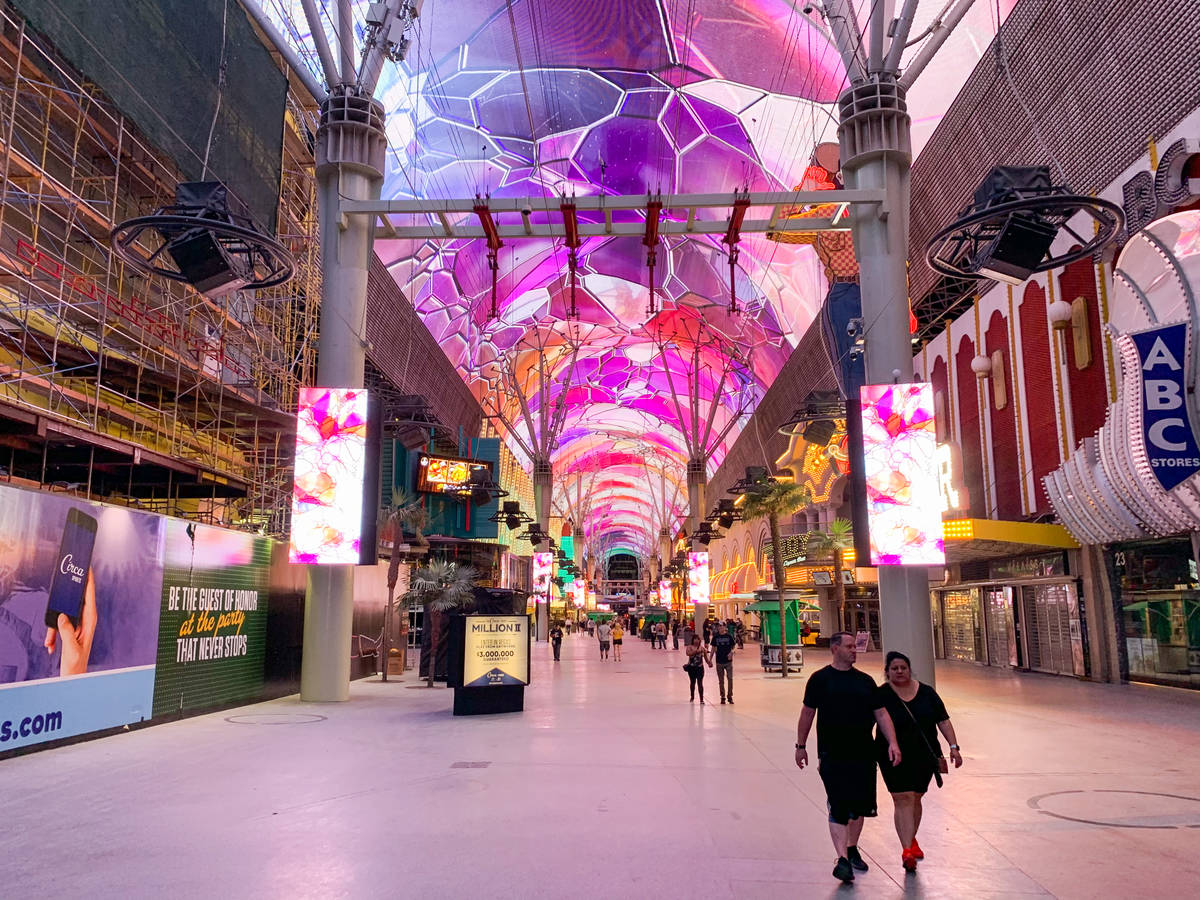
(698, 587)
(904, 512)
(327, 495)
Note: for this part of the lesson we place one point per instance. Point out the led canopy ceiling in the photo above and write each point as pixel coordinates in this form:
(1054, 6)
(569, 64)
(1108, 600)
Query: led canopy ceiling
(566, 343)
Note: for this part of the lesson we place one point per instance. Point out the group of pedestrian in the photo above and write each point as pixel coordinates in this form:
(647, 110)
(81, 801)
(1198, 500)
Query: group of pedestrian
(906, 716)
(715, 653)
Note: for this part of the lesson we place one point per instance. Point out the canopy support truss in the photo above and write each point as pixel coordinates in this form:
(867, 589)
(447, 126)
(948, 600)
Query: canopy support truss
(464, 219)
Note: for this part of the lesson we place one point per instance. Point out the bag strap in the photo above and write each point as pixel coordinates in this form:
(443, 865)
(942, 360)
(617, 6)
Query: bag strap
(924, 739)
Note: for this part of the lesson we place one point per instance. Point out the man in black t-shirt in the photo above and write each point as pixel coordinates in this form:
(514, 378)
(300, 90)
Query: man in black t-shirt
(556, 638)
(846, 705)
(723, 643)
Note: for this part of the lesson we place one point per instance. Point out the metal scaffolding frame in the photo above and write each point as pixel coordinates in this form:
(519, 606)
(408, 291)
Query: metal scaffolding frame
(118, 387)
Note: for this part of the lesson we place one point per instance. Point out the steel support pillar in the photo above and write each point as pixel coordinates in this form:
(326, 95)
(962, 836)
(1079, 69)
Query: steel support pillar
(350, 156)
(876, 152)
(543, 484)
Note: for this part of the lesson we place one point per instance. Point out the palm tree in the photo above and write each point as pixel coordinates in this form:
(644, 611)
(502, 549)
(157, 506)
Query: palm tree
(773, 500)
(838, 537)
(440, 587)
(406, 513)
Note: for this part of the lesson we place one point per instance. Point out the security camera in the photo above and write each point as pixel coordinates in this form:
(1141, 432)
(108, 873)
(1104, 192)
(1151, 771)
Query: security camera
(527, 211)
(808, 8)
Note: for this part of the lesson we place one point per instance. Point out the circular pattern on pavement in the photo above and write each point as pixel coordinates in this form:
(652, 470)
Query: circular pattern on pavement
(1120, 809)
(275, 719)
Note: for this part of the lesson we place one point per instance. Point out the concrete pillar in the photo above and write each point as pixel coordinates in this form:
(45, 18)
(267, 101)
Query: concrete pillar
(350, 156)
(876, 152)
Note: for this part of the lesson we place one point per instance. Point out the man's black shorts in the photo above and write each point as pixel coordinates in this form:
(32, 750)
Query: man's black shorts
(849, 788)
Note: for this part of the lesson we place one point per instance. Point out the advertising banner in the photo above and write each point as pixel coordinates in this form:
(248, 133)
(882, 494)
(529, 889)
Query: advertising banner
(79, 606)
(664, 593)
(1166, 429)
(496, 651)
(542, 569)
(698, 585)
(330, 473)
(212, 628)
(900, 464)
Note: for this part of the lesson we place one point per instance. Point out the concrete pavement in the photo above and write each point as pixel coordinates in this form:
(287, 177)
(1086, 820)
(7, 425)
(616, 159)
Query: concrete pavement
(610, 784)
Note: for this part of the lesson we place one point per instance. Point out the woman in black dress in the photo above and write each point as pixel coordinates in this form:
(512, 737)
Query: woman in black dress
(918, 714)
(697, 655)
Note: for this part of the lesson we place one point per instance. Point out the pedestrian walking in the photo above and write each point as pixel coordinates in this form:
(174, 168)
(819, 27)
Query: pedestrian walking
(618, 637)
(675, 634)
(661, 630)
(604, 635)
(698, 656)
(556, 639)
(722, 646)
(846, 703)
(918, 713)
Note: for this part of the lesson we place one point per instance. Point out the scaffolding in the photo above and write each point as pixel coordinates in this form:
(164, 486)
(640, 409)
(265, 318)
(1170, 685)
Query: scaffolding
(118, 387)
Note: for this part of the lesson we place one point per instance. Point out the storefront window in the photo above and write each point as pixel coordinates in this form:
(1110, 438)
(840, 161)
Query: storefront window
(1160, 611)
(962, 628)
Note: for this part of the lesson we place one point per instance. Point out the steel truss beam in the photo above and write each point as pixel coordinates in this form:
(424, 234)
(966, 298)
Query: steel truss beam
(673, 222)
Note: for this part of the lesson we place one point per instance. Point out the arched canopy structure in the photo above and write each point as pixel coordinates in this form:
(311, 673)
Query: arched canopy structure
(539, 99)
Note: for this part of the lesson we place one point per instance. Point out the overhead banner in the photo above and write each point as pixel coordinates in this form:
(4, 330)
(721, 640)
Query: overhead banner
(79, 599)
(901, 468)
(496, 651)
(1167, 434)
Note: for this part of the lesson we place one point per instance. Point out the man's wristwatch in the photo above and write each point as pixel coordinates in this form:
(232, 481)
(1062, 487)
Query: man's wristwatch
(955, 747)
(799, 746)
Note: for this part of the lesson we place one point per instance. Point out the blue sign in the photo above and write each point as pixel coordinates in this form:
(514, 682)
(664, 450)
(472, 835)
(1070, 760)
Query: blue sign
(1166, 429)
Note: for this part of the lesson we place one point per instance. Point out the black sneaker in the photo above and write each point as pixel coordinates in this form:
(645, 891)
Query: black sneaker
(731, 700)
(842, 871)
(856, 859)
(722, 701)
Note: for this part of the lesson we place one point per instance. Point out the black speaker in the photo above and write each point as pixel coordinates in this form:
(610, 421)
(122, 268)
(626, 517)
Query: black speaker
(819, 432)
(1017, 251)
(206, 265)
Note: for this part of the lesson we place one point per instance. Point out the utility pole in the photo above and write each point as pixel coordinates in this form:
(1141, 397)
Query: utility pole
(350, 156)
(876, 152)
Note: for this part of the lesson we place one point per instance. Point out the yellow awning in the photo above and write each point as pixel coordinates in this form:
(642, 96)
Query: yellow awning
(968, 539)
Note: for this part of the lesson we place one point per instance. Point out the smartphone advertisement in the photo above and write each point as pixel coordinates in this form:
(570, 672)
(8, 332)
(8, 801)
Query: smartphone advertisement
(79, 598)
(110, 616)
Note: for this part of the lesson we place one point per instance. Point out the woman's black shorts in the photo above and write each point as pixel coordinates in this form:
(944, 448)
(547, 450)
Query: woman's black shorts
(913, 774)
(617, 642)
(849, 788)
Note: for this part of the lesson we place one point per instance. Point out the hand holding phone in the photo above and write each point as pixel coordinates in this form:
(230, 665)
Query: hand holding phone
(76, 641)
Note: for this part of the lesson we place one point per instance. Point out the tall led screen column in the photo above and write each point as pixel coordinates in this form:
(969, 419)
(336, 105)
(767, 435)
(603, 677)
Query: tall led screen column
(664, 593)
(331, 468)
(698, 578)
(904, 514)
(542, 567)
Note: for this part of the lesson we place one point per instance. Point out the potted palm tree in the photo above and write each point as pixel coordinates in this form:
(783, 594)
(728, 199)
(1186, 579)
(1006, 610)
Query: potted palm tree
(440, 587)
(774, 499)
(835, 539)
(406, 513)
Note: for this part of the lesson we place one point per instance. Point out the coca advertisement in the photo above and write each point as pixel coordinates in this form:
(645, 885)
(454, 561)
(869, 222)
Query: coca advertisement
(79, 599)
(110, 616)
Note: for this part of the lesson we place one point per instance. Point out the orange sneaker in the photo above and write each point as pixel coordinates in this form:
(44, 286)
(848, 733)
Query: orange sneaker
(917, 852)
(908, 860)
